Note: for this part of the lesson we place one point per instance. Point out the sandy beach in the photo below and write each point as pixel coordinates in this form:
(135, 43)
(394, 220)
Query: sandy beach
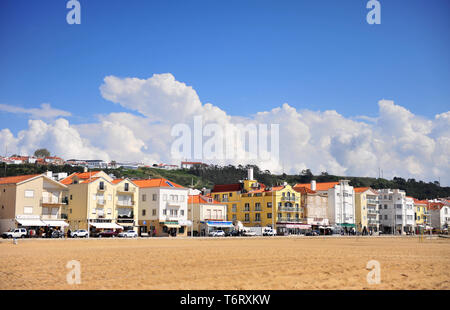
(227, 263)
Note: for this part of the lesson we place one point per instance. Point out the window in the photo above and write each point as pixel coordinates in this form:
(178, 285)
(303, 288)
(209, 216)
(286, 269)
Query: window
(143, 212)
(234, 217)
(385, 217)
(109, 211)
(385, 206)
(126, 185)
(165, 197)
(29, 193)
(109, 197)
(45, 211)
(154, 212)
(247, 207)
(155, 197)
(257, 206)
(181, 198)
(269, 215)
(70, 210)
(233, 208)
(28, 210)
(247, 217)
(280, 204)
(70, 197)
(279, 215)
(102, 185)
(144, 197)
(94, 211)
(164, 211)
(181, 212)
(231, 194)
(269, 205)
(399, 217)
(257, 217)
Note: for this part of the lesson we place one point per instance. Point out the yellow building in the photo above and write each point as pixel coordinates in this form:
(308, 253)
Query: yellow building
(34, 202)
(97, 202)
(367, 210)
(256, 205)
(421, 214)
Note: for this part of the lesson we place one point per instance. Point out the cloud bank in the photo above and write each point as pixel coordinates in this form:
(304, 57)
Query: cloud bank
(396, 141)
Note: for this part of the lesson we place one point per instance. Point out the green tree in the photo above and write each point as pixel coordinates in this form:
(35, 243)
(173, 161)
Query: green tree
(41, 153)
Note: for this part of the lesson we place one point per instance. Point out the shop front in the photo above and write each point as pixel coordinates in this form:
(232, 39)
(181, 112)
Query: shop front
(206, 227)
(33, 224)
(98, 226)
(292, 228)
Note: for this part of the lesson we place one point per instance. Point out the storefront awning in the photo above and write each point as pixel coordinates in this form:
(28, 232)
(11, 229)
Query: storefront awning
(172, 225)
(346, 225)
(106, 225)
(219, 224)
(31, 222)
(56, 223)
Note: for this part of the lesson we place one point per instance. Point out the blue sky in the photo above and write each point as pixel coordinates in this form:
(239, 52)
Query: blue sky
(243, 56)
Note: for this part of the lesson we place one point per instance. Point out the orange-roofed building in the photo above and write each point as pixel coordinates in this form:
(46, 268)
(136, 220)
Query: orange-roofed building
(207, 215)
(31, 201)
(439, 212)
(341, 202)
(257, 205)
(162, 207)
(98, 202)
(421, 214)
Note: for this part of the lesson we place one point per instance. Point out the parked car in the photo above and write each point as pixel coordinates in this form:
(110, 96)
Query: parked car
(230, 233)
(16, 233)
(108, 233)
(267, 231)
(128, 234)
(249, 233)
(312, 233)
(80, 233)
(57, 234)
(217, 233)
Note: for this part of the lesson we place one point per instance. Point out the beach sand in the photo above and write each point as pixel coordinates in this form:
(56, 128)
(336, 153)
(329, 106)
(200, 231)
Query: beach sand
(227, 263)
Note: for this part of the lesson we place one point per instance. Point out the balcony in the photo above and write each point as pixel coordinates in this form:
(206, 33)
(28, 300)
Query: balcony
(372, 202)
(289, 209)
(289, 199)
(53, 201)
(289, 220)
(125, 203)
(101, 202)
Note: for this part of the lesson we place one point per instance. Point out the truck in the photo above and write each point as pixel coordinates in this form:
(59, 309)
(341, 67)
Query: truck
(15, 233)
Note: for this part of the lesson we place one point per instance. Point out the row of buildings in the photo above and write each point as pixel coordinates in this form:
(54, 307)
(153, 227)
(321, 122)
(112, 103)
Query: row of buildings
(96, 201)
(93, 164)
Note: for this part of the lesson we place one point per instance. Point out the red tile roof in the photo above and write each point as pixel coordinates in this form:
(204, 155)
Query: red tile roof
(17, 179)
(161, 182)
(304, 190)
(219, 188)
(435, 205)
(319, 186)
(360, 189)
(117, 181)
(80, 175)
(201, 199)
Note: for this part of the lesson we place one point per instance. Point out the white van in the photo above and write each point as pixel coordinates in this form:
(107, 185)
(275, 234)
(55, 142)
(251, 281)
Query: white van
(269, 231)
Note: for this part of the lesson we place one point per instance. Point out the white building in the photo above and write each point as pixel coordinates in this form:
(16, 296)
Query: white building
(341, 201)
(439, 214)
(341, 205)
(396, 211)
(162, 207)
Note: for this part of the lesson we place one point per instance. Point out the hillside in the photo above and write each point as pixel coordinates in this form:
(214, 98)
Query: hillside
(207, 177)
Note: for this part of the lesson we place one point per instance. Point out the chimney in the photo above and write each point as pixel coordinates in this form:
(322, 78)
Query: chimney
(313, 185)
(250, 173)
